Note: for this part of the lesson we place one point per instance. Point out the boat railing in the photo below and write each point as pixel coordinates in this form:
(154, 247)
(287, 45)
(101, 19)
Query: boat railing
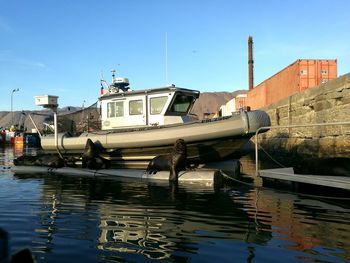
(261, 129)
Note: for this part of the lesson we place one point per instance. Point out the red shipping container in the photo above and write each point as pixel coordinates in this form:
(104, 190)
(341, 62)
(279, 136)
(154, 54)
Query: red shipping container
(297, 77)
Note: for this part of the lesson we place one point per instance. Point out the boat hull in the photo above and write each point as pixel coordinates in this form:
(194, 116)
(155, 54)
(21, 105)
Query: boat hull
(207, 141)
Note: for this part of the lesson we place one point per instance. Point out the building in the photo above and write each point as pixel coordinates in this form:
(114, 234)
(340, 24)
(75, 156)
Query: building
(234, 104)
(297, 77)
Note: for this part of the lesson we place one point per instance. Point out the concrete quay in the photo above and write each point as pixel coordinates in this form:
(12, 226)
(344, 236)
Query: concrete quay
(327, 103)
(291, 146)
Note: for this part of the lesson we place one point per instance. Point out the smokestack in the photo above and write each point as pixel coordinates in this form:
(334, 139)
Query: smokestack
(250, 63)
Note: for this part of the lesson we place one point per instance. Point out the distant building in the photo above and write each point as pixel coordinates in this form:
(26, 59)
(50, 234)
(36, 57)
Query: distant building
(297, 77)
(234, 104)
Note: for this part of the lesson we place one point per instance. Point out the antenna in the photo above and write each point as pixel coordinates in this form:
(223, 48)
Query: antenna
(103, 81)
(113, 75)
(166, 57)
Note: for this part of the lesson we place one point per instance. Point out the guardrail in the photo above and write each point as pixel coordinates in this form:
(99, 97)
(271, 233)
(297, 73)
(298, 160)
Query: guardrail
(284, 127)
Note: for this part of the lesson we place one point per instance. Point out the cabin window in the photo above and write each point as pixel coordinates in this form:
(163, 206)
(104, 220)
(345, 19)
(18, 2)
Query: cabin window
(135, 107)
(181, 104)
(157, 104)
(115, 109)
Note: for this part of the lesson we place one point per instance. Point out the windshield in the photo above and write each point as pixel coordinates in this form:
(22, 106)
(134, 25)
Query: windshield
(181, 104)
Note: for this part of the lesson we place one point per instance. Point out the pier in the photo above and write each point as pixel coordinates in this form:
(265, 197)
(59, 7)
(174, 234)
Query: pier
(287, 175)
(313, 124)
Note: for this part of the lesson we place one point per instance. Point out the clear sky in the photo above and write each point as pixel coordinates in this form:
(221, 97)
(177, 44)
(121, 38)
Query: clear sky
(61, 47)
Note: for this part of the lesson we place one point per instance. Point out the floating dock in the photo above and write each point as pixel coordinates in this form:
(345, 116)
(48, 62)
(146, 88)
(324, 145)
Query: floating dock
(202, 175)
(287, 175)
(209, 174)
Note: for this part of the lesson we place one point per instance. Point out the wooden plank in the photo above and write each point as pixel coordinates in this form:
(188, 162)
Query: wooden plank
(287, 174)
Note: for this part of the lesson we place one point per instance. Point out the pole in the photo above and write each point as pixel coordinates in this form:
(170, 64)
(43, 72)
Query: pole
(166, 58)
(256, 154)
(250, 63)
(12, 107)
(13, 91)
(36, 127)
(56, 130)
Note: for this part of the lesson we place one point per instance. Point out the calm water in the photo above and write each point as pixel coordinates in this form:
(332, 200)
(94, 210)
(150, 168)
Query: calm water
(66, 219)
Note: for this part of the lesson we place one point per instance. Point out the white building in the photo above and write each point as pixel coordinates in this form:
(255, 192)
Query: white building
(233, 105)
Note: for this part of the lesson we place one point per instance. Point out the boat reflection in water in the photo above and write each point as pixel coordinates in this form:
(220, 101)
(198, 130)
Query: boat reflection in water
(136, 234)
(133, 220)
(148, 219)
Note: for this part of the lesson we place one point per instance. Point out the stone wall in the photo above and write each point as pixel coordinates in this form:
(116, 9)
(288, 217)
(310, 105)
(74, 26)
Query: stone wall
(327, 103)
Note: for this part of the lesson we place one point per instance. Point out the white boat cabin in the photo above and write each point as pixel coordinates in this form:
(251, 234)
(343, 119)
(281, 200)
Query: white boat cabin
(122, 107)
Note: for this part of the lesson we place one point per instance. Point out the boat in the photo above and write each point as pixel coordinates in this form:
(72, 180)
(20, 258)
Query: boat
(137, 125)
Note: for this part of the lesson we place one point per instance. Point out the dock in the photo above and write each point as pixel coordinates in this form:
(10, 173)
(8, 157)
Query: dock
(287, 175)
(199, 175)
(204, 176)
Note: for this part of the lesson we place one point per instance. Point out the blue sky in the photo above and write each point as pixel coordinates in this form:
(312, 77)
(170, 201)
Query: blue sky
(61, 47)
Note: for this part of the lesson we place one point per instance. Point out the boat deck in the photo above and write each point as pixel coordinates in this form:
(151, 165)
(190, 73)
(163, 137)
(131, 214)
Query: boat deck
(287, 174)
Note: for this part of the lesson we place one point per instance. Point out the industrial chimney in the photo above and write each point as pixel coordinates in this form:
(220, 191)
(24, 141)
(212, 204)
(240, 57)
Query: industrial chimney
(250, 63)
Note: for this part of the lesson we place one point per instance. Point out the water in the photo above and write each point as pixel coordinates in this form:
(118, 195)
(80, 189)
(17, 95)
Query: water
(69, 219)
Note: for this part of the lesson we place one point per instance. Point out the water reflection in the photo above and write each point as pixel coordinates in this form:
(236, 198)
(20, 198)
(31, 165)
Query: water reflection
(91, 220)
(8, 153)
(149, 219)
(303, 222)
(135, 234)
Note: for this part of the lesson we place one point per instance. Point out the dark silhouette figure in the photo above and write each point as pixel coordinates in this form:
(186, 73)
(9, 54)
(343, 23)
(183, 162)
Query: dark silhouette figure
(91, 157)
(173, 162)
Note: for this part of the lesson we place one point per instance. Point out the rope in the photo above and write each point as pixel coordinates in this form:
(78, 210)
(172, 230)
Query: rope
(234, 179)
(278, 163)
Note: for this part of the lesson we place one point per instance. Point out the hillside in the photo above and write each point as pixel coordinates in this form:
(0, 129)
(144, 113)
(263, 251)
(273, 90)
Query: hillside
(210, 102)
